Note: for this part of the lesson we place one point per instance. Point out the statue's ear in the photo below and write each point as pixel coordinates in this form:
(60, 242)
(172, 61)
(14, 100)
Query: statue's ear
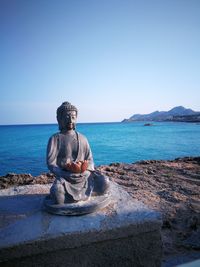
(60, 125)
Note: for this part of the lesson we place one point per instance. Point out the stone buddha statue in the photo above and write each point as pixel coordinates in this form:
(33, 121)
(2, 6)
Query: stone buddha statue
(69, 157)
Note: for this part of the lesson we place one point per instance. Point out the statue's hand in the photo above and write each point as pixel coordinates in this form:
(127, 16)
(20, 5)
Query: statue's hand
(76, 167)
(84, 165)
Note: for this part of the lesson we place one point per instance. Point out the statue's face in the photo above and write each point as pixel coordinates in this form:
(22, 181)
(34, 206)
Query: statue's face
(69, 120)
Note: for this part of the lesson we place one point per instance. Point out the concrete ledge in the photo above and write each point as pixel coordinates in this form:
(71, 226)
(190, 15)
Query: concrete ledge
(126, 233)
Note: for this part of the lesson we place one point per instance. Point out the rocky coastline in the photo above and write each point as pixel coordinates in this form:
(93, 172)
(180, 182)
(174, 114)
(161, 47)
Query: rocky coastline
(176, 114)
(171, 187)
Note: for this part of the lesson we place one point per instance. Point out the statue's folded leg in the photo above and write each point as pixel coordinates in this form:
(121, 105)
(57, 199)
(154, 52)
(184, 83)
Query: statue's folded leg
(59, 194)
(101, 184)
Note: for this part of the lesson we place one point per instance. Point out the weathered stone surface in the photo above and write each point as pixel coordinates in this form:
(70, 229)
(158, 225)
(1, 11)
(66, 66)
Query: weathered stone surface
(124, 233)
(191, 264)
(170, 187)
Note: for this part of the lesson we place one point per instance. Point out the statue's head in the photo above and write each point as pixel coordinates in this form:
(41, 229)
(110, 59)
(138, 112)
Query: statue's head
(66, 116)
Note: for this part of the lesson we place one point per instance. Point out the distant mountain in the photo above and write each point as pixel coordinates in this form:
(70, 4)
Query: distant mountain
(175, 114)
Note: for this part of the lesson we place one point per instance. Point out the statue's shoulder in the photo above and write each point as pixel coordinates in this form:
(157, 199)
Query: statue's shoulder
(55, 135)
(82, 137)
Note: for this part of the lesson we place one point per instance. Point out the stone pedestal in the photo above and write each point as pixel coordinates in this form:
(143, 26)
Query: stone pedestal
(125, 233)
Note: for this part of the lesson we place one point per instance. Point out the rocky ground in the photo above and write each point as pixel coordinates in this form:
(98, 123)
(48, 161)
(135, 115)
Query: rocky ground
(170, 187)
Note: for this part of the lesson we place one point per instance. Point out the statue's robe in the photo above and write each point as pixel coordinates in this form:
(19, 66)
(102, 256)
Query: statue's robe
(70, 147)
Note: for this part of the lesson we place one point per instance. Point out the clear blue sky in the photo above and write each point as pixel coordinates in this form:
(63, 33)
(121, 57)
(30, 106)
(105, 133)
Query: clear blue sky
(110, 58)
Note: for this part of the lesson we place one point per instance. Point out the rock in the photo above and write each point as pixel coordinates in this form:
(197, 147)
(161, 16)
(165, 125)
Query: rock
(193, 241)
(148, 124)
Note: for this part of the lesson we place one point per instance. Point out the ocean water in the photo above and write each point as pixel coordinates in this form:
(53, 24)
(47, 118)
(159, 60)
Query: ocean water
(23, 147)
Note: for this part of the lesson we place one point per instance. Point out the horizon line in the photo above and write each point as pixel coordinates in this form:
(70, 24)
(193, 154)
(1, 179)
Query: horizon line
(52, 123)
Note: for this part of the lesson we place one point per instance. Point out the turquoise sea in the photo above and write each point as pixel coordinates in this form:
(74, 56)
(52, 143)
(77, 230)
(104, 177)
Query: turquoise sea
(23, 147)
